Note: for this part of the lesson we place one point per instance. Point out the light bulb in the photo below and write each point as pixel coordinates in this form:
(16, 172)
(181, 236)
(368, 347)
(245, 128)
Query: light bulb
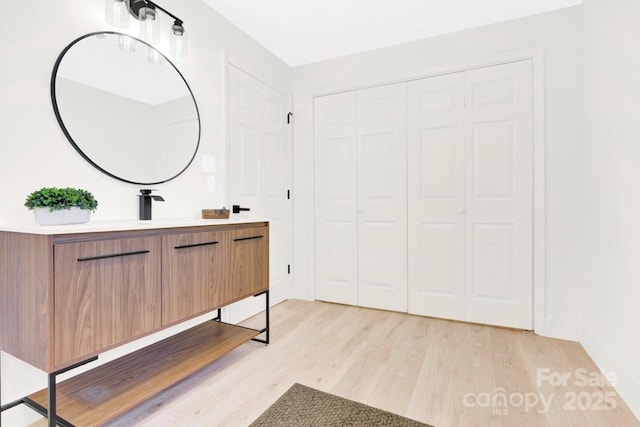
(149, 25)
(117, 13)
(154, 56)
(178, 45)
(126, 43)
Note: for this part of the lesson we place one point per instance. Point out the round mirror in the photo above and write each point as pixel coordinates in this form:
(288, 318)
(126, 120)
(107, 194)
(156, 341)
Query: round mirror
(125, 108)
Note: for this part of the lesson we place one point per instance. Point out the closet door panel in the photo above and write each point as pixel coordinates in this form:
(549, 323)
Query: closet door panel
(499, 218)
(382, 197)
(336, 198)
(435, 126)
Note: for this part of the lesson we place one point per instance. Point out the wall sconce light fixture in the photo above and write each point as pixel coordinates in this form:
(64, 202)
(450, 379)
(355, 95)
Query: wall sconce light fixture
(117, 13)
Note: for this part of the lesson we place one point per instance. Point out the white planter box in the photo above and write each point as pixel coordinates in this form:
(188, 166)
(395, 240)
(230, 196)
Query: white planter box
(74, 215)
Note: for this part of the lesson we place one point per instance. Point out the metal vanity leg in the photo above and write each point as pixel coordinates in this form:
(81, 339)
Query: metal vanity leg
(267, 317)
(51, 401)
(265, 329)
(51, 412)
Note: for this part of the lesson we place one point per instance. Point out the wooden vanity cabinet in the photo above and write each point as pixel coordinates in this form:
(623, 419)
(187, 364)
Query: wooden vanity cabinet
(194, 274)
(68, 297)
(106, 292)
(249, 261)
(204, 271)
(65, 298)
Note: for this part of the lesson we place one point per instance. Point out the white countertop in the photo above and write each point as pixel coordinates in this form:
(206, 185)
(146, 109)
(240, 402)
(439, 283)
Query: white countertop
(124, 225)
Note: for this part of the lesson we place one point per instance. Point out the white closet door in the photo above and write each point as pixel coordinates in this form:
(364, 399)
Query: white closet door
(336, 198)
(436, 196)
(470, 165)
(260, 173)
(382, 197)
(499, 182)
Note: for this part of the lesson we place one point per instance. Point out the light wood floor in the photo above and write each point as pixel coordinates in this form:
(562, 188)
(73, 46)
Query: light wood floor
(419, 367)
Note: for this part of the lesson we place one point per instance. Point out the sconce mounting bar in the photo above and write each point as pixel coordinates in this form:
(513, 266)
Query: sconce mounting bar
(136, 5)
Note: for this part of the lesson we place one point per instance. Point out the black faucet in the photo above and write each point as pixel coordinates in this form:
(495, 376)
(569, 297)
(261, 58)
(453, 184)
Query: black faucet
(145, 203)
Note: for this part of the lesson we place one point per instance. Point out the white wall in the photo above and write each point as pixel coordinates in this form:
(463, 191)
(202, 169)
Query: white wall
(558, 33)
(34, 152)
(609, 248)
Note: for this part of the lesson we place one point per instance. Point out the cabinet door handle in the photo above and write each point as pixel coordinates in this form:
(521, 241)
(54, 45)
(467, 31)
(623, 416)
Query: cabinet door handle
(90, 258)
(193, 245)
(247, 238)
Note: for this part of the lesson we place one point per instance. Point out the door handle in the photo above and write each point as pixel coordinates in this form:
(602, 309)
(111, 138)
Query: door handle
(237, 209)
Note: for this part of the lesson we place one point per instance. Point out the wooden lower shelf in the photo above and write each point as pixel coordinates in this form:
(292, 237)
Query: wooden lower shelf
(102, 394)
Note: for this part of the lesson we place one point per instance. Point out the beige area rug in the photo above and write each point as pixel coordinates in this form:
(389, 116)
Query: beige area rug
(305, 406)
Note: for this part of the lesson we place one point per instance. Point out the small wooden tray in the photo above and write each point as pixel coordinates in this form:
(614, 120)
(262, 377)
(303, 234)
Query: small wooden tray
(215, 213)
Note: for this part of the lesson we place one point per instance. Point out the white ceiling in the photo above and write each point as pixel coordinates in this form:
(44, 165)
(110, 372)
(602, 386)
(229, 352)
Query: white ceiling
(303, 31)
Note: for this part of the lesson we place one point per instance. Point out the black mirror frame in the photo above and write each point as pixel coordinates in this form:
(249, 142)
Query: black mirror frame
(70, 138)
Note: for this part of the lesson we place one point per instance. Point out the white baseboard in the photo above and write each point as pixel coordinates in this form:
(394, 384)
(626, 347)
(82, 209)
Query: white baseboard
(627, 387)
(564, 329)
(302, 291)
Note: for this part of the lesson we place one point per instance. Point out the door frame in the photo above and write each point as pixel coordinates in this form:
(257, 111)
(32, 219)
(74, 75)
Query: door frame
(536, 55)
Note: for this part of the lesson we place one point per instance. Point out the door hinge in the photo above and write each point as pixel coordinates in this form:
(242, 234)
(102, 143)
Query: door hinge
(289, 269)
(288, 194)
(289, 117)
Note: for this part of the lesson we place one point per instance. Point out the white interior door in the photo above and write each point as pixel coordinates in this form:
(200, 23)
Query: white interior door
(382, 197)
(499, 201)
(435, 120)
(260, 173)
(336, 232)
(470, 166)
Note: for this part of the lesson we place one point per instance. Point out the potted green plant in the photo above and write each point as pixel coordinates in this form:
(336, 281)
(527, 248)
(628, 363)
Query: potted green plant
(58, 206)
